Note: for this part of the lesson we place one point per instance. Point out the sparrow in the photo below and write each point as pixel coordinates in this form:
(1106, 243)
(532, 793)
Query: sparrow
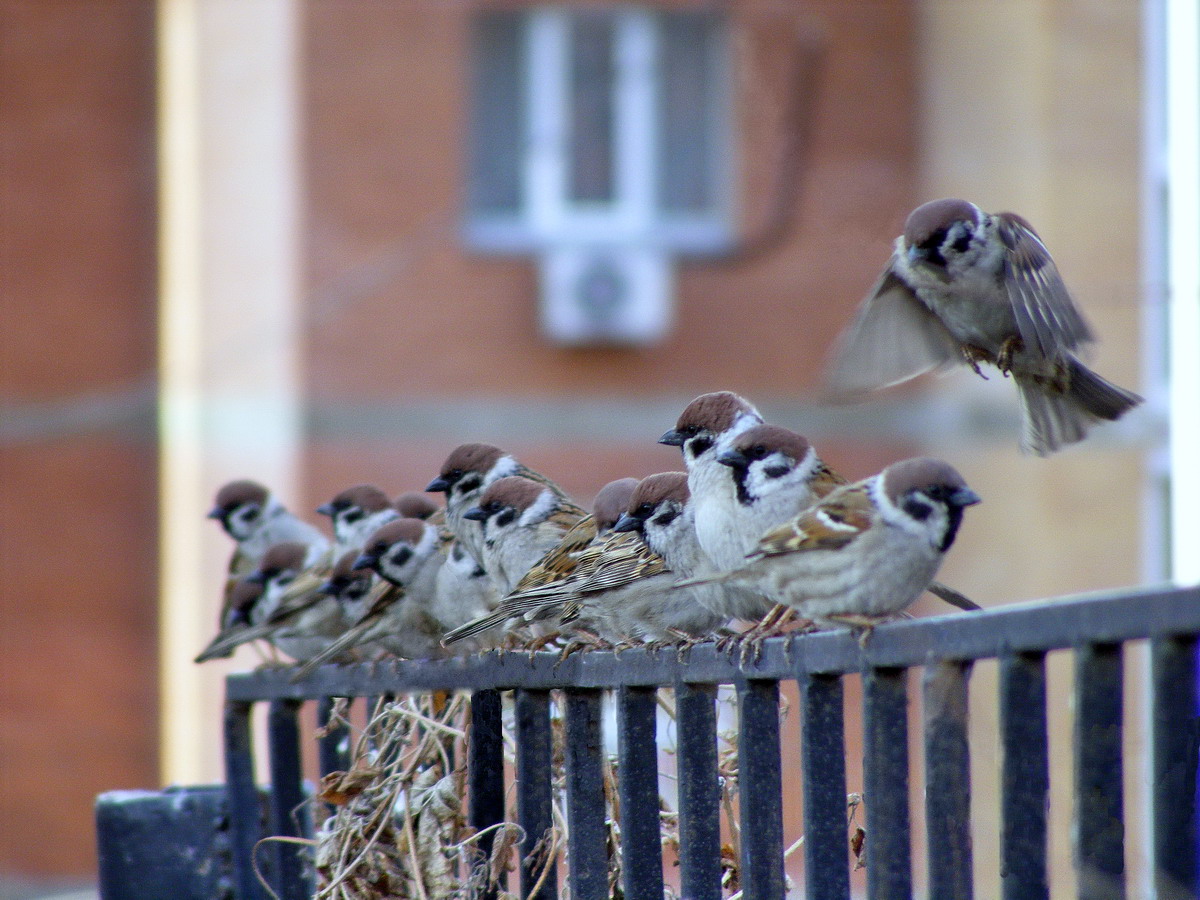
(404, 554)
(256, 519)
(415, 505)
(522, 520)
(279, 567)
(552, 572)
(356, 513)
(240, 598)
(864, 552)
(705, 429)
(463, 593)
(968, 286)
(777, 474)
(467, 471)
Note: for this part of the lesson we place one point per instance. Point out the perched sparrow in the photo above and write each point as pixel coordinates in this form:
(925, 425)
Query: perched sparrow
(351, 585)
(240, 598)
(777, 475)
(279, 567)
(415, 505)
(549, 576)
(522, 521)
(404, 553)
(968, 286)
(467, 471)
(463, 593)
(706, 428)
(256, 519)
(866, 551)
(356, 513)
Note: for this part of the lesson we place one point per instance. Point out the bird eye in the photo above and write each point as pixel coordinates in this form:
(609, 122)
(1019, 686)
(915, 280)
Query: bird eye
(455, 474)
(644, 511)
(758, 451)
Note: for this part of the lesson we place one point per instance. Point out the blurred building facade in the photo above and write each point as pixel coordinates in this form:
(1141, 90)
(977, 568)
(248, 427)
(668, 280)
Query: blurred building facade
(334, 309)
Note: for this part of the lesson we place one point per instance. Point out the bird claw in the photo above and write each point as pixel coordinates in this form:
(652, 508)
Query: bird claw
(1011, 347)
(974, 356)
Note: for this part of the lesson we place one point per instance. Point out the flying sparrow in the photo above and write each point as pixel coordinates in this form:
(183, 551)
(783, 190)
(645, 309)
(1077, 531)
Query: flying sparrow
(467, 471)
(864, 552)
(356, 513)
(968, 286)
(522, 520)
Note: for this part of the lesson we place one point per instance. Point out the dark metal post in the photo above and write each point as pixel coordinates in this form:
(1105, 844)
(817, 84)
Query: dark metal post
(333, 749)
(244, 812)
(289, 816)
(948, 781)
(1025, 777)
(586, 808)
(823, 764)
(1174, 733)
(1099, 805)
(641, 835)
(760, 789)
(535, 793)
(885, 776)
(485, 772)
(699, 791)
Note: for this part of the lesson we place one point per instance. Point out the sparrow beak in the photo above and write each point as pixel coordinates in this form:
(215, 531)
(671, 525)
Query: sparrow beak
(628, 523)
(365, 561)
(734, 459)
(438, 484)
(672, 437)
(215, 513)
(475, 514)
(965, 497)
(326, 509)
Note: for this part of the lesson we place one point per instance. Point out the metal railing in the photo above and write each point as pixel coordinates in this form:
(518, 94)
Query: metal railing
(1019, 637)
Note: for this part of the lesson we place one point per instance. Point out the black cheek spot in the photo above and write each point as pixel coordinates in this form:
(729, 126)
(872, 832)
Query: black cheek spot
(506, 517)
(776, 471)
(918, 509)
(697, 446)
(401, 556)
(469, 483)
(666, 518)
(251, 514)
(351, 516)
(963, 244)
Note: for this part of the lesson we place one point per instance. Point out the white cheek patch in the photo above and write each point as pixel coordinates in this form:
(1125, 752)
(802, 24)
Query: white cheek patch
(539, 510)
(504, 467)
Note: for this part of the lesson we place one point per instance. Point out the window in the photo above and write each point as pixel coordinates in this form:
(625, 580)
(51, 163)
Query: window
(600, 140)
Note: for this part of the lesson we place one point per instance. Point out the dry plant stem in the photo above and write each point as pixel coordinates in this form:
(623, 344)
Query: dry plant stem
(412, 850)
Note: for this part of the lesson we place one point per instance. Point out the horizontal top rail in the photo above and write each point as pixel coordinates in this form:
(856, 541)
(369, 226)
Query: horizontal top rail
(1038, 626)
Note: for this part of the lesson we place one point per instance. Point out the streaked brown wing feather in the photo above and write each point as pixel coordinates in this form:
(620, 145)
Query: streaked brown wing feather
(1046, 316)
(834, 522)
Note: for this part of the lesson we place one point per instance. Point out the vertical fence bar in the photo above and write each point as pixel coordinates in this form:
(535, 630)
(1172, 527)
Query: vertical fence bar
(535, 793)
(1099, 805)
(586, 809)
(948, 781)
(485, 773)
(288, 815)
(333, 751)
(760, 790)
(641, 836)
(823, 764)
(885, 777)
(1025, 777)
(1175, 738)
(245, 814)
(699, 791)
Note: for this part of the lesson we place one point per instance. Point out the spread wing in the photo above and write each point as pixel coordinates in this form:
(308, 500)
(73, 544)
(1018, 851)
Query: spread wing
(1046, 316)
(895, 337)
(834, 522)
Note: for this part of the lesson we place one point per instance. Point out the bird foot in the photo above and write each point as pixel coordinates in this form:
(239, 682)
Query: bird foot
(973, 356)
(1011, 347)
(540, 643)
(576, 645)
